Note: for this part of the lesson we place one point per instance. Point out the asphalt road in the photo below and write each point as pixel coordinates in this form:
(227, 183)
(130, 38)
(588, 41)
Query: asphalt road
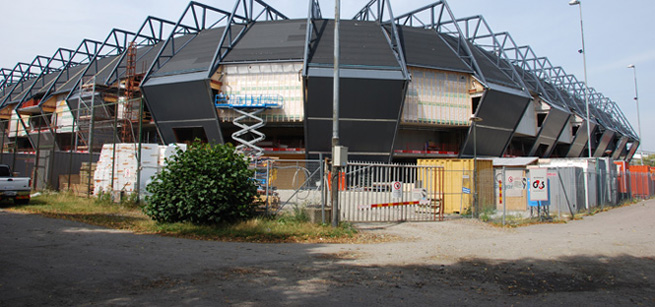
(606, 259)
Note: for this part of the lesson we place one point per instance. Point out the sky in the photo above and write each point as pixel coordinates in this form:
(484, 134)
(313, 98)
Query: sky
(616, 34)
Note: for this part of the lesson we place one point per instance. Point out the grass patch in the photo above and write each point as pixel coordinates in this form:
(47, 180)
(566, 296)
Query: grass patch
(290, 227)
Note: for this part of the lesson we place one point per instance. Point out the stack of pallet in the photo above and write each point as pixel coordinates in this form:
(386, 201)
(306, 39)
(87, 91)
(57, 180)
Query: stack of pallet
(118, 171)
(85, 187)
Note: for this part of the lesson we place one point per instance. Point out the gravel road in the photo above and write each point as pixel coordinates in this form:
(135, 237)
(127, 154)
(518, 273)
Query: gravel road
(605, 259)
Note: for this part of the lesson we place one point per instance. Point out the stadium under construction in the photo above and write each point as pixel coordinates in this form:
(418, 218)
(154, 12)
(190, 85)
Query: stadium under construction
(410, 86)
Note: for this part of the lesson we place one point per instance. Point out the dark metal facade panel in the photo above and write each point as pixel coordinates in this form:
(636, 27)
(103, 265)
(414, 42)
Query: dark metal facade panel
(210, 126)
(490, 142)
(489, 69)
(270, 41)
(363, 45)
(632, 151)
(603, 144)
(426, 48)
(550, 131)
(501, 113)
(359, 98)
(105, 66)
(19, 91)
(197, 53)
(68, 78)
(501, 110)
(369, 112)
(620, 148)
(362, 136)
(580, 141)
(176, 102)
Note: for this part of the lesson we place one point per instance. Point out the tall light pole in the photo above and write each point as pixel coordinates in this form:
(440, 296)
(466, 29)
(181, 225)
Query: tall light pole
(634, 70)
(335, 117)
(474, 120)
(586, 84)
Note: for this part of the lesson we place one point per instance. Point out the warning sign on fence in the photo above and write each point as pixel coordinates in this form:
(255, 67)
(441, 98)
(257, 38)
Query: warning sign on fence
(539, 184)
(396, 189)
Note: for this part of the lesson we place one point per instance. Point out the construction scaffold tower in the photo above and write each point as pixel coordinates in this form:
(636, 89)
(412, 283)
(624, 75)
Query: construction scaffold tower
(127, 131)
(250, 107)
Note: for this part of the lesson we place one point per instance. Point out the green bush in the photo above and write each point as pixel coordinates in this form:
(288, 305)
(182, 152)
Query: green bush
(206, 184)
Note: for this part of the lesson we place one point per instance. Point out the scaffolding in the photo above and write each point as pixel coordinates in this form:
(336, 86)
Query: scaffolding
(249, 106)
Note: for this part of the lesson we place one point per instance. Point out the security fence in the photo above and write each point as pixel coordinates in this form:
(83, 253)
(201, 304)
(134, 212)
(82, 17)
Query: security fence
(390, 192)
(289, 184)
(567, 190)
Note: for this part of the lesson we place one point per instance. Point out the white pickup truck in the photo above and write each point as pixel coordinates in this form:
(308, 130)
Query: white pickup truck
(16, 188)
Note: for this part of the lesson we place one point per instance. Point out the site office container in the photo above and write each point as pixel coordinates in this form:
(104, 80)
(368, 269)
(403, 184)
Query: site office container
(458, 183)
(640, 179)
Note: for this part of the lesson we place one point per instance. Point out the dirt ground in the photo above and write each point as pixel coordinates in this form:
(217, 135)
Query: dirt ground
(605, 259)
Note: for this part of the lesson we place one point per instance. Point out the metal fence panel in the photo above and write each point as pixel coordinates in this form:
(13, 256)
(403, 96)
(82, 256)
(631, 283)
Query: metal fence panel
(390, 193)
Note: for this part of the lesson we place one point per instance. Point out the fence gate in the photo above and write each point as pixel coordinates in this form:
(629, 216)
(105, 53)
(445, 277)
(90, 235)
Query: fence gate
(390, 193)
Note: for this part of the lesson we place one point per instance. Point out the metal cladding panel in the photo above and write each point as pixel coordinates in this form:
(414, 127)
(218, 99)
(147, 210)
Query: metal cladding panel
(364, 137)
(528, 123)
(271, 41)
(20, 90)
(369, 111)
(566, 137)
(528, 79)
(554, 123)
(363, 45)
(620, 148)
(490, 142)
(182, 101)
(502, 110)
(69, 78)
(632, 151)
(501, 113)
(210, 126)
(426, 48)
(197, 55)
(104, 67)
(580, 141)
(489, 69)
(605, 141)
(44, 82)
(359, 98)
(551, 130)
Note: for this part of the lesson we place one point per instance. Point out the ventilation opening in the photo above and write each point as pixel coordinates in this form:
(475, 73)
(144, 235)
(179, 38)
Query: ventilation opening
(475, 102)
(189, 134)
(541, 117)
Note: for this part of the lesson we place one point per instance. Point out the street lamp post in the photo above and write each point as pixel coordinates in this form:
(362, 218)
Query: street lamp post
(335, 116)
(586, 89)
(474, 120)
(634, 70)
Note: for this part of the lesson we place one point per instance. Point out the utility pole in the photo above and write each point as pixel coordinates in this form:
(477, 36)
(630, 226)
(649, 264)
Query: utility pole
(335, 118)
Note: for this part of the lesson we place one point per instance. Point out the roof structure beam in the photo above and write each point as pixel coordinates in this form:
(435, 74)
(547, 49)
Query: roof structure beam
(151, 32)
(82, 55)
(195, 18)
(439, 17)
(478, 32)
(254, 10)
(313, 13)
(40, 66)
(12, 77)
(376, 10)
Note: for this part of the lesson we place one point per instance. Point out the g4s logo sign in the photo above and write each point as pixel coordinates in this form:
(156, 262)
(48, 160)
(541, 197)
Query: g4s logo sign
(539, 184)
